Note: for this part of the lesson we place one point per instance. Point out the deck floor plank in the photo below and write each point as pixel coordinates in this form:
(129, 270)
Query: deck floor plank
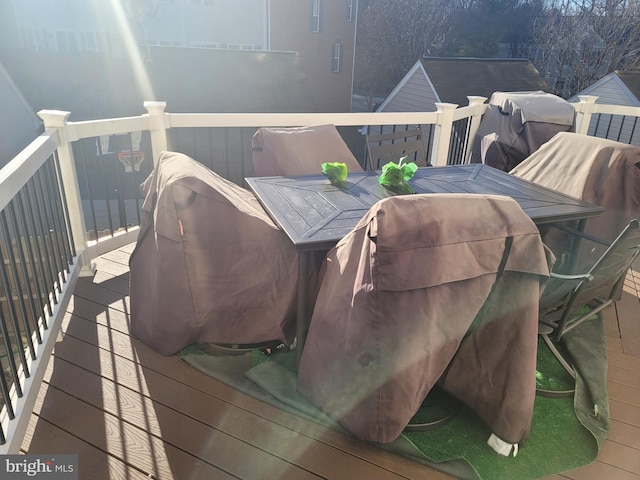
(625, 434)
(174, 417)
(130, 444)
(176, 405)
(174, 427)
(174, 368)
(94, 464)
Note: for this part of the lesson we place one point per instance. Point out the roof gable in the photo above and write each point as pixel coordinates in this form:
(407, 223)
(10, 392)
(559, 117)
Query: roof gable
(456, 78)
(631, 80)
(616, 88)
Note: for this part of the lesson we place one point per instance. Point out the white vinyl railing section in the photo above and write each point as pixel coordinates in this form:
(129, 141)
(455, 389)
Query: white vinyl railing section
(20, 381)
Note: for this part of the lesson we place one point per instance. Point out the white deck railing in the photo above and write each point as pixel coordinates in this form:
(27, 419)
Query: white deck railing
(60, 134)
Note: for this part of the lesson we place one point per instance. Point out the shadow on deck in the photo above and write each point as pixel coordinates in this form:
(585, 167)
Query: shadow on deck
(131, 413)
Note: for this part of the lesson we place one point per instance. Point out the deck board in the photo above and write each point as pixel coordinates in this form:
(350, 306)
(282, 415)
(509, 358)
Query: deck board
(42, 436)
(131, 412)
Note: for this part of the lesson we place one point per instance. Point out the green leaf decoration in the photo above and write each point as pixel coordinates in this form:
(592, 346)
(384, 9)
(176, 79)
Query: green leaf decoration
(336, 172)
(408, 169)
(396, 176)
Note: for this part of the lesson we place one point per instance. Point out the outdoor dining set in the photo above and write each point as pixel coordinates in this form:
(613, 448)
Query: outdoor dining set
(383, 293)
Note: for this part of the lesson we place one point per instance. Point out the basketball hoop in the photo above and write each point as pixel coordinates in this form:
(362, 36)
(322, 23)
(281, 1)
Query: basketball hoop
(131, 162)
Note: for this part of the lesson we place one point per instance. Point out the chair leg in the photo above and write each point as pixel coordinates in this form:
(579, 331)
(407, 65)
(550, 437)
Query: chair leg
(453, 407)
(568, 368)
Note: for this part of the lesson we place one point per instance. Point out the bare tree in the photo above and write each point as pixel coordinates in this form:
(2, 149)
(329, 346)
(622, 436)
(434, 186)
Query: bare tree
(393, 35)
(580, 41)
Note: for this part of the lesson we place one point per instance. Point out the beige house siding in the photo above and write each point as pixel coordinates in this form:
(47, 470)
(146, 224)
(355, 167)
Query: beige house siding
(290, 31)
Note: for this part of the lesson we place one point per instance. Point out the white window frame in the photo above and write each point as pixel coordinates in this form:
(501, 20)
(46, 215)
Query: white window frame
(349, 10)
(88, 41)
(316, 13)
(336, 57)
(67, 42)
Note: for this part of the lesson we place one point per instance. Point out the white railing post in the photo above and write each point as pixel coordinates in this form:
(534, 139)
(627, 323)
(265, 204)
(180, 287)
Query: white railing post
(57, 120)
(442, 134)
(479, 108)
(157, 128)
(584, 110)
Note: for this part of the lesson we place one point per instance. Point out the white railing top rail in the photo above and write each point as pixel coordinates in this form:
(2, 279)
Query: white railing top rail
(109, 126)
(174, 120)
(23, 166)
(76, 130)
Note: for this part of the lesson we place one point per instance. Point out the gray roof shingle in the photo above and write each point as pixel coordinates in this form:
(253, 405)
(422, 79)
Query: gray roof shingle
(456, 78)
(631, 79)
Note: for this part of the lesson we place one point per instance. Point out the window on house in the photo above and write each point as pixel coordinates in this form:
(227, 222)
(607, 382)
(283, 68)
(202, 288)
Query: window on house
(27, 39)
(102, 42)
(316, 16)
(349, 10)
(88, 42)
(41, 42)
(115, 46)
(66, 42)
(336, 57)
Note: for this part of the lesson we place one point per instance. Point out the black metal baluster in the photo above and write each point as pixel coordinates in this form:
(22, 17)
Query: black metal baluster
(120, 197)
(16, 280)
(46, 209)
(55, 185)
(44, 231)
(4, 385)
(45, 266)
(16, 328)
(64, 206)
(37, 310)
(83, 161)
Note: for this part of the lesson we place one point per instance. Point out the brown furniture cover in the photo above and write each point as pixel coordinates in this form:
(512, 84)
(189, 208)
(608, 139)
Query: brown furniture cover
(516, 124)
(299, 150)
(396, 306)
(209, 266)
(600, 171)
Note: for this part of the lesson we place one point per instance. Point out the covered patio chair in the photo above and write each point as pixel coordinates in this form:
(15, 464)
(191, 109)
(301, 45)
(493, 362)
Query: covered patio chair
(426, 289)
(390, 147)
(209, 265)
(600, 171)
(299, 150)
(516, 124)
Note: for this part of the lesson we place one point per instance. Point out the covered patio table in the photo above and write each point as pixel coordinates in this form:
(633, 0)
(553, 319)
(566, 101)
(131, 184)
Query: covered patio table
(315, 214)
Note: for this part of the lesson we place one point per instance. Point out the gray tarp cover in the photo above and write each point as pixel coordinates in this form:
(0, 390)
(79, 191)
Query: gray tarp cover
(600, 171)
(299, 150)
(397, 299)
(209, 265)
(516, 124)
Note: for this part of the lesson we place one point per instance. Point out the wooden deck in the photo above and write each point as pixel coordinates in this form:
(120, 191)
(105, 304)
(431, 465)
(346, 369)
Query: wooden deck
(130, 413)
